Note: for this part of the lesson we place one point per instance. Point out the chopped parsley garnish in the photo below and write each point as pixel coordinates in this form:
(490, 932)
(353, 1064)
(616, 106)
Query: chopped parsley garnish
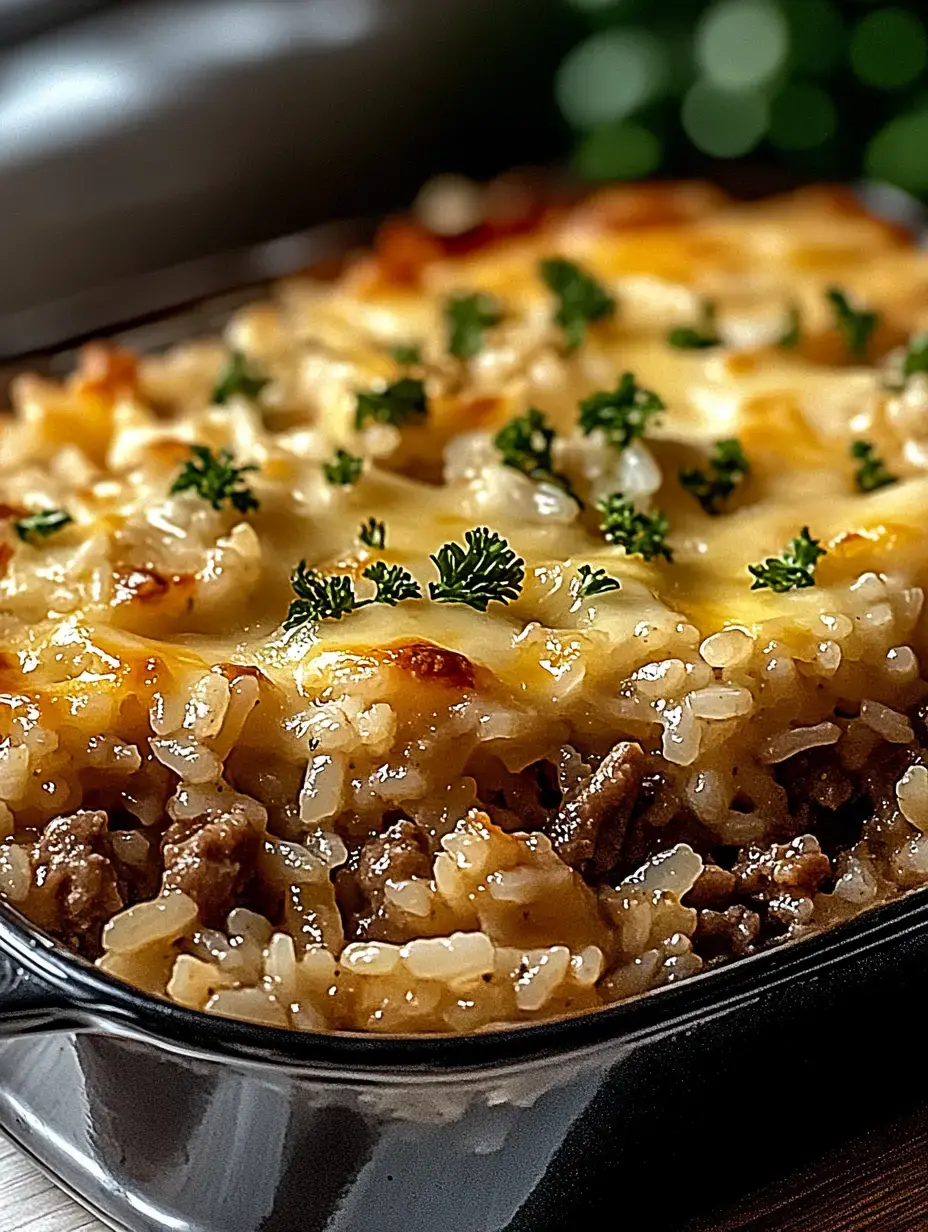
(41, 524)
(623, 413)
(872, 473)
(901, 365)
(215, 479)
(589, 581)
(466, 318)
(794, 570)
(400, 403)
(640, 534)
(855, 324)
(320, 597)
(916, 356)
(238, 377)
(700, 336)
(792, 334)
(727, 468)
(581, 299)
(373, 534)
(484, 572)
(407, 353)
(524, 443)
(393, 582)
(343, 469)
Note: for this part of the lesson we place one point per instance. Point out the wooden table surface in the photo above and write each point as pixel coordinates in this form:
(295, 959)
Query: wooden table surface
(30, 1203)
(877, 1183)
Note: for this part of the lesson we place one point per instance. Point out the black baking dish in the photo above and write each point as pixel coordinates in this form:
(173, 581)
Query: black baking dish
(159, 1118)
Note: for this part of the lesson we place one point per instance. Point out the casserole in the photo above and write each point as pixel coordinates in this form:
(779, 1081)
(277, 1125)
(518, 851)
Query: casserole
(591, 1059)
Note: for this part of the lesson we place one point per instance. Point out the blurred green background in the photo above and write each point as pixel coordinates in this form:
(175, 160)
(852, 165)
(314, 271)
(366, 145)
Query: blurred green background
(771, 90)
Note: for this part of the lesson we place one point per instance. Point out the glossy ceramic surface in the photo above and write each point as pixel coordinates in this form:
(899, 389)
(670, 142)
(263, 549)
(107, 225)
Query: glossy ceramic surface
(160, 1118)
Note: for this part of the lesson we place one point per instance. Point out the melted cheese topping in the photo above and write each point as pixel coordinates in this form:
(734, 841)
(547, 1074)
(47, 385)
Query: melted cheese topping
(145, 585)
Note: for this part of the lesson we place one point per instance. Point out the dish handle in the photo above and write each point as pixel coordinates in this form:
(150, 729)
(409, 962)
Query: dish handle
(27, 1005)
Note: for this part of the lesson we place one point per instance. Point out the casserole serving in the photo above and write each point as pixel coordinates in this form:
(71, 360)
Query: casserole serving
(153, 1112)
(482, 635)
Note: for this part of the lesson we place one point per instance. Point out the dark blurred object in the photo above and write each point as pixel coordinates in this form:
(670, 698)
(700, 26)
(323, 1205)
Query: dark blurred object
(757, 93)
(21, 19)
(140, 135)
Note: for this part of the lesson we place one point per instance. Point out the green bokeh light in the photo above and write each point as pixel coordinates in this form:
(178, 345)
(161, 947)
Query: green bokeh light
(806, 88)
(816, 35)
(741, 43)
(623, 151)
(596, 6)
(609, 75)
(802, 117)
(724, 123)
(889, 48)
(899, 153)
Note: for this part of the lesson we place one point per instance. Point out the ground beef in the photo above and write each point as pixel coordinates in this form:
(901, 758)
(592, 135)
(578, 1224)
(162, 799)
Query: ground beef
(398, 854)
(211, 861)
(830, 801)
(800, 865)
(713, 889)
(726, 934)
(817, 777)
(589, 829)
(522, 801)
(136, 857)
(766, 897)
(75, 888)
(781, 880)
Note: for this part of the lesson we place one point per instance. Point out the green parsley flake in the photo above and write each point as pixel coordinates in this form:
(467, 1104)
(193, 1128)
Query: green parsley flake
(238, 378)
(343, 469)
(467, 317)
(728, 467)
(794, 570)
(589, 581)
(41, 524)
(401, 403)
(640, 534)
(407, 354)
(373, 534)
(700, 336)
(215, 479)
(320, 597)
(855, 324)
(524, 443)
(916, 356)
(393, 582)
(581, 299)
(872, 473)
(792, 334)
(486, 571)
(623, 414)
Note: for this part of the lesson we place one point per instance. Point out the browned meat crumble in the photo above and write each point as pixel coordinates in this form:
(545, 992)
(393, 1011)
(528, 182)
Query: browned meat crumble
(211, 863)
(75, 885)
(588, 830)
(744, 898)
